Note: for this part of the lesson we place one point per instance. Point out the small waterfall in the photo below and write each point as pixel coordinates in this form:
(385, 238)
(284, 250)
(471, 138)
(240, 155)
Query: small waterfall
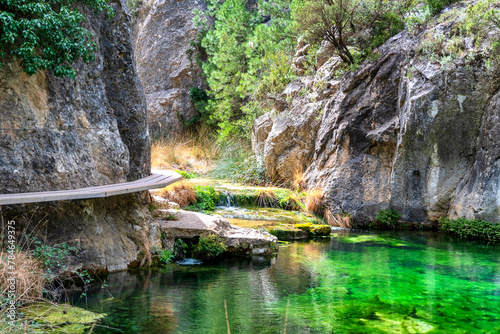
(227, 200)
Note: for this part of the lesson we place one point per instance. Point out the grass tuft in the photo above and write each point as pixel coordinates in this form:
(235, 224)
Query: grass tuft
(338, 220)
(181, 193)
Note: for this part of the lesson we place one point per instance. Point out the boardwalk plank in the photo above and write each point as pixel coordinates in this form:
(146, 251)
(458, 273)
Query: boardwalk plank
(158, 179)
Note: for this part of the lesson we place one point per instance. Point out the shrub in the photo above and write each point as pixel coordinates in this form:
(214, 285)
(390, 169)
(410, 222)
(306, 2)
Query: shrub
(209, 247)
(315, 230)
(206, 197)
(48, 35)
(388, 217)
(471, 228)
(166, 256)
(187, 175)
(30, 278)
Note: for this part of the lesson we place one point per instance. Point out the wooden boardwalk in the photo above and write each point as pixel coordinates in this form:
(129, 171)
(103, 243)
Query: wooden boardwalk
(158, 179)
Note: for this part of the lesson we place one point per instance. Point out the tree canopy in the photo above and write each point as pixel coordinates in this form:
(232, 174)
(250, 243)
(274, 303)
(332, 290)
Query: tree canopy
(48, 34)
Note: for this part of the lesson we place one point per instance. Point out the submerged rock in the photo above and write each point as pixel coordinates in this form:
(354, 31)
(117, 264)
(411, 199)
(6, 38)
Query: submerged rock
(237, 239)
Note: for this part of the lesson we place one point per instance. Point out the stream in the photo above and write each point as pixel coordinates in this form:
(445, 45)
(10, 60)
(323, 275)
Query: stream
(353, 282)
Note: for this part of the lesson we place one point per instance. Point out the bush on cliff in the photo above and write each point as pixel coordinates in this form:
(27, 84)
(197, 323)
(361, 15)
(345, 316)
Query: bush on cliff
(48, 34)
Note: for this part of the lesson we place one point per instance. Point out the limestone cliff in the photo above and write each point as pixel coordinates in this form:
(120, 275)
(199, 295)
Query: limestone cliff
(59, 133)
(407, 131)
(166, 70)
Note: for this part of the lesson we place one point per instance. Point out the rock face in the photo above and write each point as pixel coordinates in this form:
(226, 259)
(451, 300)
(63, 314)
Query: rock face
(404, 132)
(242, 241)
(166, 71)
(110, 233)
(59, 133)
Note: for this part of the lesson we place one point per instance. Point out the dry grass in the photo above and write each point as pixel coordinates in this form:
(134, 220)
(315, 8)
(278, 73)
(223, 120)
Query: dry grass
(266, 198)
(298, 180)
(338, 220)
(314, 202)
(181, 193)
(191, 151)
(29, 278)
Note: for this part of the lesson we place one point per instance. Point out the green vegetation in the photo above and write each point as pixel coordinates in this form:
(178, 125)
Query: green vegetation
(471, 228)
(481, 21)
(248, 58)
(206, 198)
(187, 175)
(237, 163)
(388, 217)
(209, 247)
(166, 256)
(315, 229)
(63, 318)
(48, 34)
(287, 233)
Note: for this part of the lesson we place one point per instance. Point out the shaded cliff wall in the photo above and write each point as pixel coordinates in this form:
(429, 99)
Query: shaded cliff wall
(405, 132)
(59, 133)
(166, 71)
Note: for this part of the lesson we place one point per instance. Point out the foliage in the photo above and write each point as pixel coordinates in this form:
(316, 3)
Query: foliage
(166, 256)
(181, 193)
(244, 63)
(388, 217)
(314, 229)
(349, 24)
(48, 34)
(209, 247)
(54, 258)
(483, 21)
(266, 198)
(340, 219)
(187, 175)
(289, 200)
(238, 164)
(471, 228)
(436, 6)
(206, 198)
(180, 249)
(200, 101)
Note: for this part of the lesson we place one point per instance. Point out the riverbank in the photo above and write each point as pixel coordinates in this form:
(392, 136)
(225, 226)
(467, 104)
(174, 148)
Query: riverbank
(377, 282)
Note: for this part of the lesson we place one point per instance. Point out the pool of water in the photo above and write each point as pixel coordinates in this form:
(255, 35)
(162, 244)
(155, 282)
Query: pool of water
(355, 282)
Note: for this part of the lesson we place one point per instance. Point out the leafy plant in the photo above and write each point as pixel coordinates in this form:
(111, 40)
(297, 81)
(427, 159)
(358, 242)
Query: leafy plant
(54, 258)
(471, 228)
(180, 249)
(187, 175)
(209, 247)
(206, 198)
(48, 34)
(166, 256)
(388, 217)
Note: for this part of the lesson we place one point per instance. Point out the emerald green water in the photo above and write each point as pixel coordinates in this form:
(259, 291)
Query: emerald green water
(352, 283)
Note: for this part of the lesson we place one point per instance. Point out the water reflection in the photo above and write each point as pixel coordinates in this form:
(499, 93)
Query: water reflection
(351, 283)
